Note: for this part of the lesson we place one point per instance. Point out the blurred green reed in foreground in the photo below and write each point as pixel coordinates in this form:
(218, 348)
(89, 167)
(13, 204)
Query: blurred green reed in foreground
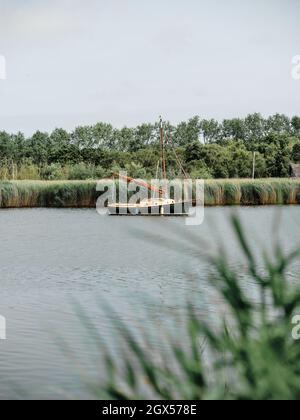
(252, 356)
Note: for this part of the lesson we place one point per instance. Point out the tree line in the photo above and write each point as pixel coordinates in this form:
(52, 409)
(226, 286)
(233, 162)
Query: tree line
(205, 148)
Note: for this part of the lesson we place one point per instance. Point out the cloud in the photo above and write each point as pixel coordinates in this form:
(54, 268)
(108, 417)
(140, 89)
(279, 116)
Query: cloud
(128, 60)
(32, 20)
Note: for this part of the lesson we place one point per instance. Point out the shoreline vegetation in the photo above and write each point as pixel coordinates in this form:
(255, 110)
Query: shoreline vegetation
(83, 194)
(60, 169)
(200, 148)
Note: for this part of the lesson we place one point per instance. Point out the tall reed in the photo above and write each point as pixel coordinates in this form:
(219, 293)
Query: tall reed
(17, 194)
(83, 193)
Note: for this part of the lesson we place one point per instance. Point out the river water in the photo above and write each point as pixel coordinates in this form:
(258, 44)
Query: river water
(57, 263)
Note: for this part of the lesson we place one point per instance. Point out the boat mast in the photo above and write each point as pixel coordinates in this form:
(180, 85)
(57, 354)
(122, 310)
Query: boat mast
(162, 144)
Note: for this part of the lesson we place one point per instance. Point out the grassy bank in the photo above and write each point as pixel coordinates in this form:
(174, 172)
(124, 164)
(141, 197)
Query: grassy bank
(17, 194)
(252, 192)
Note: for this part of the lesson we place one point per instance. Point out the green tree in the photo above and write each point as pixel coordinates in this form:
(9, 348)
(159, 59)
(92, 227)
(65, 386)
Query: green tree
(103, 136)
(199, 170)
(211, 131)
(255, 129)
(83, 137)
(217, 159)
(187, 132)
(296, 125)
(144, 135)
(60, 142)
(240, 163)
(278, 124)
(126, 140)
(277, 155)
(6, 147)
(234, 129)
(194, 151)
(296, 153)
(18, 147)
(39, 147)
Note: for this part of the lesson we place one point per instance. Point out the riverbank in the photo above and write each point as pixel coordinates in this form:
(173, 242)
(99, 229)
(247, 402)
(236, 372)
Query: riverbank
(83, 194)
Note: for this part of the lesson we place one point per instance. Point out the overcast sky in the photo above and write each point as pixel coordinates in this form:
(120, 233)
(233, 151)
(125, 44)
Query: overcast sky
(73, 62)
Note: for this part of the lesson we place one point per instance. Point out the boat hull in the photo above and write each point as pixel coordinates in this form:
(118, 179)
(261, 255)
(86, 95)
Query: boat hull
(176, 209)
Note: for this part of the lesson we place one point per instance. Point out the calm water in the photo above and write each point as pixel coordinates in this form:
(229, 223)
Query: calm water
(52, 261)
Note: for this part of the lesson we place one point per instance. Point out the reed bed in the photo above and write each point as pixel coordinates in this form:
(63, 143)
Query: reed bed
(72, 194)
(247, 192)
(81, 194)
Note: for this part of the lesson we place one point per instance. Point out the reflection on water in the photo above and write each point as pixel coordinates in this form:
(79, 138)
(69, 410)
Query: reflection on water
(140, 266)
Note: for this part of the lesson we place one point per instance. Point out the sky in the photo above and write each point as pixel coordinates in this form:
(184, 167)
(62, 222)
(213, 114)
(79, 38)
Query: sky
(75, 62)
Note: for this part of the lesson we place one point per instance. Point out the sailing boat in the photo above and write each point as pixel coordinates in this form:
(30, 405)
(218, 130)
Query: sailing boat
(155, 206)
